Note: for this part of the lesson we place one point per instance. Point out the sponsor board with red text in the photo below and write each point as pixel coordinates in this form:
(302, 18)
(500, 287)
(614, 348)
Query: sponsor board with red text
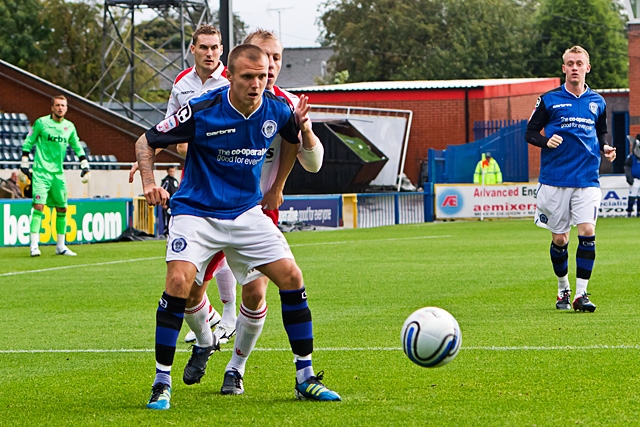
(495, 201)
(514, 200)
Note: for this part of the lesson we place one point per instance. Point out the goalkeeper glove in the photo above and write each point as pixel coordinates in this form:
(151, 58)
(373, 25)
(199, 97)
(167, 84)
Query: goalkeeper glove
(23, 176)
(84, 174)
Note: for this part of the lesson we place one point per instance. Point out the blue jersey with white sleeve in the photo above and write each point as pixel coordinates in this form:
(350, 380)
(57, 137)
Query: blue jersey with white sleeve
(226, 152)
(581, 121)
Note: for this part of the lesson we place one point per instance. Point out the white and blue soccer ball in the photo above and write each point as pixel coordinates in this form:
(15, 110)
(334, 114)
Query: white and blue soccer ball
(431, 337)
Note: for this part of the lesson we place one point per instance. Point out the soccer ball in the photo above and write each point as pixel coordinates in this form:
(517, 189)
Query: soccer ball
(431, 337)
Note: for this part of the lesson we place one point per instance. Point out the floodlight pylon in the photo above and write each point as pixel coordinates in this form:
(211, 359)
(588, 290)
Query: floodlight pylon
(124, 53)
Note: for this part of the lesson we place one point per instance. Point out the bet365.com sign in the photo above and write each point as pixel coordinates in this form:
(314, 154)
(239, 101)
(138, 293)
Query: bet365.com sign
(87, 221)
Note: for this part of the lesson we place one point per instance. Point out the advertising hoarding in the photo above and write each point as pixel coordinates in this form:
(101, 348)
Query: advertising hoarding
(87, 221)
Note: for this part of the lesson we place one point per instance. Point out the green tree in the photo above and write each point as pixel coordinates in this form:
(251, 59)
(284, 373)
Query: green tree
(161, 33)
(73, 47)
(61, 41)
(487, 38)
(382, 39)
(21, 32)
(596, 25)
(438, 39)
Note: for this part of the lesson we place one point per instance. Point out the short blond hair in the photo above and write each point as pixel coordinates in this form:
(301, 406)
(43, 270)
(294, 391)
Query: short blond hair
(575, 49)
(53, 99)
(260, 34)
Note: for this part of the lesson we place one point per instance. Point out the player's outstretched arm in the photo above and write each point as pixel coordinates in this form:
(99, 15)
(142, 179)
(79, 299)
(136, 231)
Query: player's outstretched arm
(311, 159)
(312, 152)
(145, 156)
(134, 167)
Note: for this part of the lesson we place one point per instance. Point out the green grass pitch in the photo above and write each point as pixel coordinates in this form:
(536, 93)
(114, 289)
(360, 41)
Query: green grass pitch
(77, 335)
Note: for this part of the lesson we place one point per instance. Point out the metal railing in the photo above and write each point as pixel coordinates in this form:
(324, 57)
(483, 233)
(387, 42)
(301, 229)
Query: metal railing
(380, 209)
(143, 216)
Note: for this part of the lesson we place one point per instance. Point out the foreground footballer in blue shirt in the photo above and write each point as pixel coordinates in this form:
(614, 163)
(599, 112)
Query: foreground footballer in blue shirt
(217, 208)
(574, 121)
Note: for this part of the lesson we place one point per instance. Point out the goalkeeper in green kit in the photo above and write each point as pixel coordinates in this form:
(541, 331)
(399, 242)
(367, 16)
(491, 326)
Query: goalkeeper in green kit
(51, 134)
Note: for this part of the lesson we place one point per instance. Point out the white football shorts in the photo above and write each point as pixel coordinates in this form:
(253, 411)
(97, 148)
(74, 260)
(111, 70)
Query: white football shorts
(249, 241)
(558, 208)
(634, 190)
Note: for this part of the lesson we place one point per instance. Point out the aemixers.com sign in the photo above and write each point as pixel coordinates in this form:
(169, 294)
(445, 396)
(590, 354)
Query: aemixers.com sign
(514, 200)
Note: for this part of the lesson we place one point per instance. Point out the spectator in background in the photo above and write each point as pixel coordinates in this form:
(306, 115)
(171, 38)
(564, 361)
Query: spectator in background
(169, 183)
(487, 171)
(12, 186)
(632, 173)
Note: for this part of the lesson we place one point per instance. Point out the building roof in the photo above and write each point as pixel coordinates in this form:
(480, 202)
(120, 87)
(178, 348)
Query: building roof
(301, 66)
(419, 85)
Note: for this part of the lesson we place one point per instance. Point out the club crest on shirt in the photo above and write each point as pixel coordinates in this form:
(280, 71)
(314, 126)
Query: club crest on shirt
(269, 128)
(593, 107)
(179, 245)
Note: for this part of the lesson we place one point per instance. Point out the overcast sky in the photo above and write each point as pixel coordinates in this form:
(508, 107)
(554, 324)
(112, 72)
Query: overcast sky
(297, 18)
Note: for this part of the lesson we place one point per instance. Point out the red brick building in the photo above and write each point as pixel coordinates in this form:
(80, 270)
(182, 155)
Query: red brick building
(633, 34)
(103, 131)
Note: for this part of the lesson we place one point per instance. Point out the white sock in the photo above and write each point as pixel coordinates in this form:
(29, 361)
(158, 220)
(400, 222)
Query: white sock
(581, 287)
(198, 320)
(60, 244)
(227, 290)
(35, 239)
(209, 307)
(305, 373)
(248, 328)
(563, 283)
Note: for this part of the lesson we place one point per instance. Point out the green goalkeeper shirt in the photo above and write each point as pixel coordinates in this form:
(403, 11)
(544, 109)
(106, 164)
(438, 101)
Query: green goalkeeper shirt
(51, 139)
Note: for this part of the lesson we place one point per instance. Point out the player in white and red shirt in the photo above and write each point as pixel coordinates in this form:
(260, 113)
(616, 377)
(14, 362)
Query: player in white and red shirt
(278, 164)
(188, 85)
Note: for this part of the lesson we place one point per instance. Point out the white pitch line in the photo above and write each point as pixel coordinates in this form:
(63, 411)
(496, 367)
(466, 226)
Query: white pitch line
(344, 349)
(342, 242)
(557, 347)
(66, 267)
